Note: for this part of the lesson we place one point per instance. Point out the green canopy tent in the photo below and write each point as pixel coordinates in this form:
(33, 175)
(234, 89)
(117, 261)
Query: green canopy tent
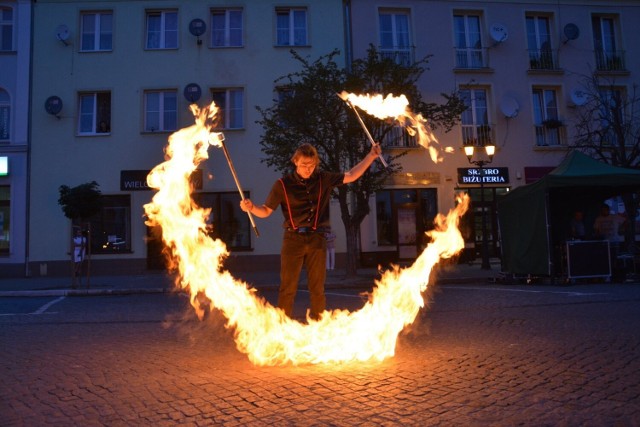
(533, 219)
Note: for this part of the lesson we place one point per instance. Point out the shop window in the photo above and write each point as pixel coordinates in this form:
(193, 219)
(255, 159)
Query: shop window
(226, 221)
(111, 227)
(424, 201)
(5, 219)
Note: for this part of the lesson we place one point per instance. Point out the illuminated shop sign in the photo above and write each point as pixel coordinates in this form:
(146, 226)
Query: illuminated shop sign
(467, 176)
(136, 180)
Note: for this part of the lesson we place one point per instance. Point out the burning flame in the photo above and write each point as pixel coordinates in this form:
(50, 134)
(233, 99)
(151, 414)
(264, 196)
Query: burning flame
(262, 331)
(397, 107)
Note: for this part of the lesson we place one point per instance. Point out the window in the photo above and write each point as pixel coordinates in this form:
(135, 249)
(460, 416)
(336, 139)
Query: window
(548, 127)
(468, 41)
(230, 107)
(388, 202)
(291, 27)
(395, 40)
(6, 28)
(612, 115)
(5, 116)
(97, 31)
(539, 43)
(226, 28)
(160, 111)
(226, 221)
(5, 219)
(476, 129)
(162, 29)
(110, 229)
(284, 95)
(609, 57)
(95, 113)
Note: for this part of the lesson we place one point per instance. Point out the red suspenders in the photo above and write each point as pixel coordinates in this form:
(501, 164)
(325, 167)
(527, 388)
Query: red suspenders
(286, 198)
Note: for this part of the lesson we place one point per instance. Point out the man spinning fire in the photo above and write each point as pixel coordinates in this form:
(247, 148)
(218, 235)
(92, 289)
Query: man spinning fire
(304, 197)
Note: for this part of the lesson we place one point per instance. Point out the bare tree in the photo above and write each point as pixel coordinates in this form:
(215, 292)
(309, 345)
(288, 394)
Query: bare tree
(607, 127)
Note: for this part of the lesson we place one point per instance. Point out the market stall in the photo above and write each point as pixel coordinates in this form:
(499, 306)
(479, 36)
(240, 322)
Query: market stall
(533, 219)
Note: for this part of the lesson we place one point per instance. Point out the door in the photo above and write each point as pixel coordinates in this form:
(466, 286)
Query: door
(407, 232)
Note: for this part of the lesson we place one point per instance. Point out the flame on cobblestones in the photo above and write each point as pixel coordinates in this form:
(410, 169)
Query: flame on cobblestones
(397, 108)
(262, 331)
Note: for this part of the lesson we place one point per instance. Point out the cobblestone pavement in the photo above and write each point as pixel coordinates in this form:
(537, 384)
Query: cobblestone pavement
(484, 355)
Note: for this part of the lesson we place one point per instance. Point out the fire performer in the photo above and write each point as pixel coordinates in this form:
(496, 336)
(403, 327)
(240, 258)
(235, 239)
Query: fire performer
(304, 197)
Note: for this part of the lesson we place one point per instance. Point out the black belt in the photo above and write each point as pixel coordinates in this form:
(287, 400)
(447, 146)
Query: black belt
(307, 230)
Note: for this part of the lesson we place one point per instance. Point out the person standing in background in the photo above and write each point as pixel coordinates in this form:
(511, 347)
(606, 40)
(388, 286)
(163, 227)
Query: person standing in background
(331, 249)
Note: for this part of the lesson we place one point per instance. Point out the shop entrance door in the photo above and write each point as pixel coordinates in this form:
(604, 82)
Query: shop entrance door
(156, 259)
(407, 232)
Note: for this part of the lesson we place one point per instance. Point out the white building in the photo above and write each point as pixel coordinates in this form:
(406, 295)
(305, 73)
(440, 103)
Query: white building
(118, 78)
(15, 39)
(112, 80)
(520, 66)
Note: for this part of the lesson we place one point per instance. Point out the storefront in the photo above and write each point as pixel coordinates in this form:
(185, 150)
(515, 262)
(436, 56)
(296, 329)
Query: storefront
(484, 187)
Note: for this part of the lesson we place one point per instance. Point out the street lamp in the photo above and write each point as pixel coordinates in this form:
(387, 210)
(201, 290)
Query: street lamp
(490, 150)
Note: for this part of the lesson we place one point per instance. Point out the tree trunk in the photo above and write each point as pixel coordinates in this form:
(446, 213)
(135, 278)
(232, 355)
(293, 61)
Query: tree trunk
(352, 250)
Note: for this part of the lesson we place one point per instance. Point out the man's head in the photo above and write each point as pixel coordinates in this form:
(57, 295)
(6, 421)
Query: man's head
(306, 160)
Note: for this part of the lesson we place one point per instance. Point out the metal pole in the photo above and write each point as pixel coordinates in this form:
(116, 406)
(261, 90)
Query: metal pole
(485, 249)
(235, 178)
(366, 131)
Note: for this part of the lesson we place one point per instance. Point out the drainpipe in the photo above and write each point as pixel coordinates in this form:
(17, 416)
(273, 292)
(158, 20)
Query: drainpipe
(27, 271)
(348, 44)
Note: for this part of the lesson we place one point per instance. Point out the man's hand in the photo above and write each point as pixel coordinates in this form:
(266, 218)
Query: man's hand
(376, 150)
(246, 205)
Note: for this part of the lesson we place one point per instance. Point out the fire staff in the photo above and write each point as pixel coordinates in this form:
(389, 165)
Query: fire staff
(304, 197)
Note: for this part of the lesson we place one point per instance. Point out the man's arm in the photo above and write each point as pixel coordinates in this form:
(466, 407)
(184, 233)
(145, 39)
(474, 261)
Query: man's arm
(261, 211)
(357, 171)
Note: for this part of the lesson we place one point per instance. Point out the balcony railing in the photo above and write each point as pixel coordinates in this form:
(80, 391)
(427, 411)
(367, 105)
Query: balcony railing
(398, 137)
(477, 135)
(610, 60)
(402, 55)
(471, 58)
(542, 59)
(551, 133)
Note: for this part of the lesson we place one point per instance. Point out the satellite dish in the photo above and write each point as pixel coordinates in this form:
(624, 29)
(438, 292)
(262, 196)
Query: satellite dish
(192, 92)
(62, 33)
(197, 27)
(571, 32)
(578, 97)
(498, 33)
(53, 105)
(509, 107)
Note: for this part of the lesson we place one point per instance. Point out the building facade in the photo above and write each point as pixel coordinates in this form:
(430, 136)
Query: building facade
(112, 80)
(15, 45)
(520, 68)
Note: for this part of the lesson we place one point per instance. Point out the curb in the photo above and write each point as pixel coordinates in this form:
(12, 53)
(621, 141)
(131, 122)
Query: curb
(355, 283)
